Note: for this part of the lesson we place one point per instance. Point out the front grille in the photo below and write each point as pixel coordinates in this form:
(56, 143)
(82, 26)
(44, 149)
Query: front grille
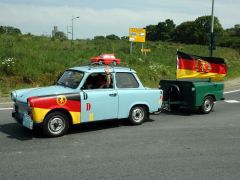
(21, 107)
(15, 108)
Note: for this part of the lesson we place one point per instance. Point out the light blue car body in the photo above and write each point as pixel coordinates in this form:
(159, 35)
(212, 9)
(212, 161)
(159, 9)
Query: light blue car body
(109, 103)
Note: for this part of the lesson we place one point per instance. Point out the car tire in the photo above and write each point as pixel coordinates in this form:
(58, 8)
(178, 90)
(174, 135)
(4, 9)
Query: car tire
(137, 115)
(55, 124)
(207, 105)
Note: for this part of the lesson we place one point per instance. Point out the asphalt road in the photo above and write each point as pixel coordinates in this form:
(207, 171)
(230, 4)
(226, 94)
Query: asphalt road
(184, 145)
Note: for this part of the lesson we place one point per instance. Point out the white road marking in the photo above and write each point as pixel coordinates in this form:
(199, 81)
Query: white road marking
(232, 101)
(7, 103)
(3, 109)
(228, 92)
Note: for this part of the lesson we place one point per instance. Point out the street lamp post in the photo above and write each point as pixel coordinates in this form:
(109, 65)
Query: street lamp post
(212, 33)
(72, 25)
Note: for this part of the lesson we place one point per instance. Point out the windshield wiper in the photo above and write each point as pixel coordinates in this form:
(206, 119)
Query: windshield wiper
(61, 84)
(64, 85)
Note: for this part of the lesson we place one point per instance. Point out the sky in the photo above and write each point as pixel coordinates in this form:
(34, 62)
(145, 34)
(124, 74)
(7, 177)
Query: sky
(104, 17)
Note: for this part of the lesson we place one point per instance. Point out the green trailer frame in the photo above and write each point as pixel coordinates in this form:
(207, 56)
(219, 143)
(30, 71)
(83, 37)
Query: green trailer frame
(191, 94)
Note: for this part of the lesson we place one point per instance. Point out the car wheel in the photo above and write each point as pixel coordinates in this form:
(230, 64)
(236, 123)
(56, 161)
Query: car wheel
(56, 124)
(207, 105)
(100, 62)
(114, 63)
(137, 115)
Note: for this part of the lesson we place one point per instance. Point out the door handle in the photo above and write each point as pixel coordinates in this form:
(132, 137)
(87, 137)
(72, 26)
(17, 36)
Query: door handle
(113, 94)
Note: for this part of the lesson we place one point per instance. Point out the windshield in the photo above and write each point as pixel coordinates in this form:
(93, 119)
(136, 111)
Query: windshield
(70, 79)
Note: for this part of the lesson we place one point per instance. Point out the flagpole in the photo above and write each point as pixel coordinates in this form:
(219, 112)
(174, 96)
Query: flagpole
(176, 66)
(211, 33)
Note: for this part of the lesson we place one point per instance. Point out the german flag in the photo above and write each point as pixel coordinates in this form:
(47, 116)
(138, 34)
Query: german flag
(192, 66)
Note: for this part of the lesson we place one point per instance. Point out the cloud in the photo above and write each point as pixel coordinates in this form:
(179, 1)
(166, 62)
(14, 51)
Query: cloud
(40, 19)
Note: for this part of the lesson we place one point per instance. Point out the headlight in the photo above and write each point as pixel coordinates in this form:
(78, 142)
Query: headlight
(28, 103)
(29, 108)
(13, 96)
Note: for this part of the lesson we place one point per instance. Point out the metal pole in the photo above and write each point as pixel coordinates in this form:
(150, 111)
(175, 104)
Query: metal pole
(212, 25)
(72, 28)
(131, 48)
(211, 33)
(72, 25)
(67, 32)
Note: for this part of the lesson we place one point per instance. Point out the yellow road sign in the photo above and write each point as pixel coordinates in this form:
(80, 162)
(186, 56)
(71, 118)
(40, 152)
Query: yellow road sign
(137, 35)
(146, 50)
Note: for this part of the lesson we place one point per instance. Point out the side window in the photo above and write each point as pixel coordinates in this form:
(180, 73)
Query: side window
(126, 80)
(97, 81)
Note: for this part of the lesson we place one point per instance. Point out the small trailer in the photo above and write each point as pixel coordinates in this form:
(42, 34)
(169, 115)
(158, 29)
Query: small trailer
(192, 94)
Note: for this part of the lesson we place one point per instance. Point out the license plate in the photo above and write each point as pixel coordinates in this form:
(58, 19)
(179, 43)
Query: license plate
(27, 121)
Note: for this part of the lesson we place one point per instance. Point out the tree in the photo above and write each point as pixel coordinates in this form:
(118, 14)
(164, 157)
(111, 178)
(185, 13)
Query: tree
(99, 38)
(162, 31)
(112, 37)
(202, 27)
(237, 29)
(125, 38)
(184, 33)
(151, 33)
(166, 30)
(231, 37)
(9, 30)
(198, 31)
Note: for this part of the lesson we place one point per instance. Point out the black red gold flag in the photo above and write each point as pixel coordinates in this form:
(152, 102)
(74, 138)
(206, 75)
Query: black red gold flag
(193, 66)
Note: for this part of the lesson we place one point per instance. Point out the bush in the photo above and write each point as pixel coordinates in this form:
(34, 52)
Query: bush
(7, 66)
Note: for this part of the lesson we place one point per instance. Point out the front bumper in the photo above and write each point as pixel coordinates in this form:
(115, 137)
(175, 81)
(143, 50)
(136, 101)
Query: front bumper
(25, 120)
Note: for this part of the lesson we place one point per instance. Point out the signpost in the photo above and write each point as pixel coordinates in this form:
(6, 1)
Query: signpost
(137, 35)
(145, 51)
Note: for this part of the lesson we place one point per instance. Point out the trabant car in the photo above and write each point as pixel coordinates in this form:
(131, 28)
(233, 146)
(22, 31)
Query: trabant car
(77, 98)
(106, 59)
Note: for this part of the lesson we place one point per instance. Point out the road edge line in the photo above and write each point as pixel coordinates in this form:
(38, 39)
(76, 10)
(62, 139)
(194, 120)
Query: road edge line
(233, 91)
(6, 103)
(3, 109)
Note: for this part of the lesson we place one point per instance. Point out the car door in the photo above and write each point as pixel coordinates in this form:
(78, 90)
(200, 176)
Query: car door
(99, 104)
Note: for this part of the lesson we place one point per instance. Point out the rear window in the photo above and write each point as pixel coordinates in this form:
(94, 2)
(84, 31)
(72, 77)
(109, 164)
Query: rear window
(126, 80)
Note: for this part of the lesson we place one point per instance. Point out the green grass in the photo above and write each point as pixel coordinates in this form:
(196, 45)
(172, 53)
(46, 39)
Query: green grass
(39, 60)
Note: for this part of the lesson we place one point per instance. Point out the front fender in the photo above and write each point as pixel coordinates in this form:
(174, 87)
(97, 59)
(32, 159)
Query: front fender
(42, 105)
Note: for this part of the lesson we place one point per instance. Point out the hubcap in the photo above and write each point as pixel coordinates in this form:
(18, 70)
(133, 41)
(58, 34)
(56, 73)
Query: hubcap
(137, 115)
(207, 105)
(56, 125)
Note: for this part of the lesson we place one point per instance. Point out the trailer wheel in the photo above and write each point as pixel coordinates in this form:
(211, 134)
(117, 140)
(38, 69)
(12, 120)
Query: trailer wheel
(137, 115)
(174, 93)
(207, 105)
(174, 107)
